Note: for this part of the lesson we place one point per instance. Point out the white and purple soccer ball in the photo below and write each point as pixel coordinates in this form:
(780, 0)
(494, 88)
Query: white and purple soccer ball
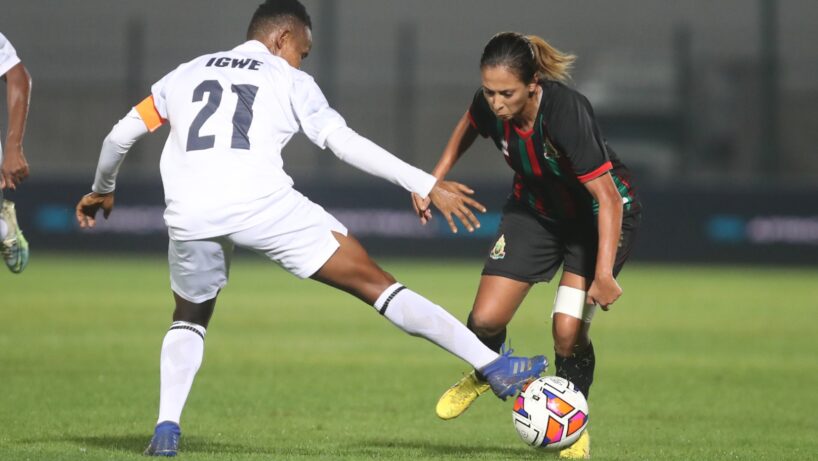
(550, 413)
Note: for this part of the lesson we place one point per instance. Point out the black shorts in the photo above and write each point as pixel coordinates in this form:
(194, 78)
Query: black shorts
(529, 248)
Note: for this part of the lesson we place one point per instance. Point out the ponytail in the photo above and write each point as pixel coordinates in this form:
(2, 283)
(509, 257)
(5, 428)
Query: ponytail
(552, 64)
(529, 57)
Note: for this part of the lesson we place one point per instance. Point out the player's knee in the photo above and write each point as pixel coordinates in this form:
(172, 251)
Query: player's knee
(484, 326)
(198, 313)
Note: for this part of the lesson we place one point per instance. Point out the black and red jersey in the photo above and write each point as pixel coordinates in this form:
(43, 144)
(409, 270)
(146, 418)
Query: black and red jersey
(552, 161)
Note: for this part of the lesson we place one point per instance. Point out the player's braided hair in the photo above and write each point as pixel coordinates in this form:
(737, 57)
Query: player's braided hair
(529, 57)
(272, 12)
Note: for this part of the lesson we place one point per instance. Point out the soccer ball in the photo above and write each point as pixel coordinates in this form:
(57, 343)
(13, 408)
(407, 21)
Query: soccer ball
(550, 413)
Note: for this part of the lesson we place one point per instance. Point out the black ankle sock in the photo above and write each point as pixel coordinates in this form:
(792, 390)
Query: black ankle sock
(578, 368)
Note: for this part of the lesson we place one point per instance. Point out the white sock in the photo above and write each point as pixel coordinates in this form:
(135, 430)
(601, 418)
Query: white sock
(182, 352)
(418, 316)
(4, 229)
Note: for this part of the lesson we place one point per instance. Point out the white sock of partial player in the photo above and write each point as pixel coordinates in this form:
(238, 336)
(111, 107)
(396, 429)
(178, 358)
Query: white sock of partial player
(418, 316)
(182, 352)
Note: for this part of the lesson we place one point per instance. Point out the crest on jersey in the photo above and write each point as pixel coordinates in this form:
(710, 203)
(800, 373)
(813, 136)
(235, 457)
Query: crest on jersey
(499, 250)
(548, 151)
(504, 147)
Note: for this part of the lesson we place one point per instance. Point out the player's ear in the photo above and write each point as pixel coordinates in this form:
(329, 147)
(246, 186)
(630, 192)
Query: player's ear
(284, 36)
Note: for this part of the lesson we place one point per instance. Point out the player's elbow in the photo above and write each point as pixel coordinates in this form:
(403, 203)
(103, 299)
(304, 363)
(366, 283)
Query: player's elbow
(117, 140)
(610, 196)
(342, 141)
(611, 203)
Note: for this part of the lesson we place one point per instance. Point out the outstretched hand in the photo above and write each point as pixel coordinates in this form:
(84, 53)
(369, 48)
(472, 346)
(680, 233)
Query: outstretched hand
(452, 198)
(88, 206)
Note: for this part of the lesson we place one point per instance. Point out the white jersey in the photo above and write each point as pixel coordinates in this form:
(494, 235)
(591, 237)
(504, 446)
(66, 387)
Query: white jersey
(230, 115)
(8, 59)
(8, 55)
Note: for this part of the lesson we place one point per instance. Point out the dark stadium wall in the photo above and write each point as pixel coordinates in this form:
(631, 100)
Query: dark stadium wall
(724, 225)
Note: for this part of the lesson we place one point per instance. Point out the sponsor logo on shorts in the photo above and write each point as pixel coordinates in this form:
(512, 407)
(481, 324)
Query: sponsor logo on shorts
(499, 250)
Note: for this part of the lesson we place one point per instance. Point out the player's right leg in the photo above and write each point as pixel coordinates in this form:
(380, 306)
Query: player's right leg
(350, 269)
(497, 300)
(198, 271)
(13, 244)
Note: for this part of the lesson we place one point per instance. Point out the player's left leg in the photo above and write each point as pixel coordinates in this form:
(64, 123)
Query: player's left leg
(575, 359)
(350, 269)
(574, 352)
(309, 242)
(581, 449)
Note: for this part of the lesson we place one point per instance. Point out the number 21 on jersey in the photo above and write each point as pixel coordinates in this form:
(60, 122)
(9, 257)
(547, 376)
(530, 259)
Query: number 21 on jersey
(242, 116)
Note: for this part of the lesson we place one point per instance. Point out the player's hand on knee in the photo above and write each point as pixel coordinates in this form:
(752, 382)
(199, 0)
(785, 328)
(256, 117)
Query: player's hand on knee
(452, 198)
(604, 292)
(88, 206)
(421, 207)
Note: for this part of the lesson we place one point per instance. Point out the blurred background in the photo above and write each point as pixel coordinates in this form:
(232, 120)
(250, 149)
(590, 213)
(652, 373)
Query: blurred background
(713, 105)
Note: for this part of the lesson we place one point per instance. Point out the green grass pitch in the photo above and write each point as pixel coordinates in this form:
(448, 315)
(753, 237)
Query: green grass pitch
(694, 363)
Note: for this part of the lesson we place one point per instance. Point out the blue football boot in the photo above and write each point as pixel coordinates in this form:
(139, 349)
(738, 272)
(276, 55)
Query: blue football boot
(165, 440)
(507, 375)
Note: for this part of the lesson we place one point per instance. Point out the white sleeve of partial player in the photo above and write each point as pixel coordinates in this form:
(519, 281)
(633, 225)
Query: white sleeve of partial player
(367, 156)
(114, 147)
(8, 55)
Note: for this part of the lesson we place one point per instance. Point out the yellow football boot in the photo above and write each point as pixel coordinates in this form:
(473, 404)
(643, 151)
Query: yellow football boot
(581, 449)
(459, 397)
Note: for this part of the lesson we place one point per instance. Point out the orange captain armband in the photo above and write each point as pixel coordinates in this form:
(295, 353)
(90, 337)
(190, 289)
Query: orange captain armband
(150, 116)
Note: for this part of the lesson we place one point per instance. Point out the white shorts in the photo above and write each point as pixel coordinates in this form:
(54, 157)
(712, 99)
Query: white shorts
(298, 236)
